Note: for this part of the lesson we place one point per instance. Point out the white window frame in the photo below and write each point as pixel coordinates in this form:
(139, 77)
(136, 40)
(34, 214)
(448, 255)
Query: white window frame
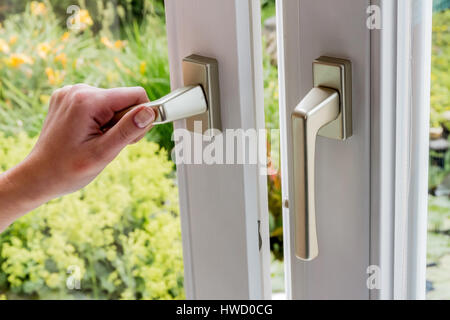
(222, 207)
(400, 61)
(398, 91)
(401, 72)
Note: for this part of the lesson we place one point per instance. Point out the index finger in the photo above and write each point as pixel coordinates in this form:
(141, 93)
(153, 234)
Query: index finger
(118, 99)
(110, 101)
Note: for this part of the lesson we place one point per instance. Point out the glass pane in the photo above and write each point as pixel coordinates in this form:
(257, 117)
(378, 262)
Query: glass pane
(273, 125)
(438, 257)
(118, 238)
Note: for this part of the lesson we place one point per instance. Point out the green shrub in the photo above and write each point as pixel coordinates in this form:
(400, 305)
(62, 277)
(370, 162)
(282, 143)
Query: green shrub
(440, 77)
(122, 232)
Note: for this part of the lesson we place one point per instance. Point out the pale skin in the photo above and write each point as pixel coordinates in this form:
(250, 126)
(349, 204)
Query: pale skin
(73, 147)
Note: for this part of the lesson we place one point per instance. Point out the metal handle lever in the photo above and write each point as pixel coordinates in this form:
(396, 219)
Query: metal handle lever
(198, 101)
(326, 111)
(179, 104)
(318, 108)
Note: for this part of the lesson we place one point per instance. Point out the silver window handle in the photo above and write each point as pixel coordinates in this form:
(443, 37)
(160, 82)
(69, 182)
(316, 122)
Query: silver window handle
(326, 111)
(199, 100)
(179, 104)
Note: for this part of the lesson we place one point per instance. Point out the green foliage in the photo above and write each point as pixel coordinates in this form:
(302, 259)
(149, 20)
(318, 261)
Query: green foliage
(272, 122)
(440, 93)
(277, 274)
(270, 93)
(440, 277)
(438, 214)
(276, 215)
(440, 77)
(267, 9)
(438, 247)
(52, 57)
(122, 232)
(440, 5)
(129, 10)
(436, 174)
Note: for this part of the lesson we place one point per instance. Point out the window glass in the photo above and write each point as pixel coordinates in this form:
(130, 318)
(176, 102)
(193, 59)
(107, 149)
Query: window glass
(438, 257)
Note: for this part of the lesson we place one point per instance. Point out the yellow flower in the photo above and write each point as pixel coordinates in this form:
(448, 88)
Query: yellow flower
(4, 47)
(85, 18)
(106, 42)
(45, 98)
(54, 77)
(12, 39)
(143, 67)
(65, 36)
(119, 44)
(15, 60)
(38, 8)
(82, 19)
(61, 58)
(43, 49)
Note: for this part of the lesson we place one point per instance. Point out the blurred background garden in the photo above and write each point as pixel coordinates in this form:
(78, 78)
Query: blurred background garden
(438, 258)
(121, 235)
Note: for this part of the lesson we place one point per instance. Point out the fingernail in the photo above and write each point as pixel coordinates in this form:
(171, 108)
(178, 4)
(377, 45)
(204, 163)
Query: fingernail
(144, 117)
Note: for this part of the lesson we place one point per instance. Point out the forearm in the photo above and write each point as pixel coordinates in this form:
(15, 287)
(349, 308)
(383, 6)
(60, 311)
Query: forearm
(19, 194)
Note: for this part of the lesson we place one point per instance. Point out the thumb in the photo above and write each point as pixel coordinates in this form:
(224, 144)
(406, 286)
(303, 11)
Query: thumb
(132, 126)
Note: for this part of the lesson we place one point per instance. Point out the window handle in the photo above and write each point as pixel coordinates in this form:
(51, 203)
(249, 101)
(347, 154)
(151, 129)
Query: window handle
(198, 101)
(179, 104)
(325, 111)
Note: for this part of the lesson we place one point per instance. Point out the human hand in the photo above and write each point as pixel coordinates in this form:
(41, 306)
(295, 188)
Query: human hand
(73, 147)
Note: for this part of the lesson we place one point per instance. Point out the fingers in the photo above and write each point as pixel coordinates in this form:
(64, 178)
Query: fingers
(139, 138)
(110, 101)
(95, 107)
(101, 104)
(60, 93)
(131, 128)
(121, 98)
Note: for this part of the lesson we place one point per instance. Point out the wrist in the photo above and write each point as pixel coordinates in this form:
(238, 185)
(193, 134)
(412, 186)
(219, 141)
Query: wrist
(24, 188)
(14, 200)
(27, 186)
